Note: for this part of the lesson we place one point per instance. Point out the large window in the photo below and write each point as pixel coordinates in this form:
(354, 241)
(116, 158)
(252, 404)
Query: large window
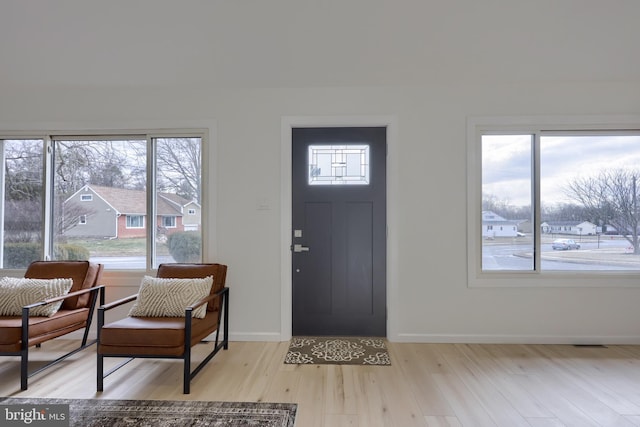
(553, 204)
(90, 198)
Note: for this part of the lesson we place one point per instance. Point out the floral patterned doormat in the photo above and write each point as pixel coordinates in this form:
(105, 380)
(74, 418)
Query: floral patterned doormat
(338, 351)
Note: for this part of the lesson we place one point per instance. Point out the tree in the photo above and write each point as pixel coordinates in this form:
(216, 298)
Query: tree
(180, 167)
(566, 212)
(23, 170)
(119, 164)
(610, 198)
(504, 208)
(23, 191)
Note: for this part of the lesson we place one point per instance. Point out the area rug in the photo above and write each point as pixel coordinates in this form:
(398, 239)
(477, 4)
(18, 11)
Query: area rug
(146, 413)
(338, 351)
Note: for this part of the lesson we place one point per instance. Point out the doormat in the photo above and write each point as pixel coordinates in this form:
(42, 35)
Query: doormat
(338, 351)
(144, 413)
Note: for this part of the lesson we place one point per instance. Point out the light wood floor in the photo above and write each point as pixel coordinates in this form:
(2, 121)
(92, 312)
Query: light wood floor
(427, 384)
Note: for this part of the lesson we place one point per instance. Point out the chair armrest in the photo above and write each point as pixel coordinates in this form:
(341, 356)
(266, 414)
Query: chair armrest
(118, 303)
(25, 310)
(63, 297)
(207, 299)
(188, 315)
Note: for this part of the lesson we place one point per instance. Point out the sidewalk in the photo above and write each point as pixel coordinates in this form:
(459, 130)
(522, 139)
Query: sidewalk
(595, 256)
(590, 256)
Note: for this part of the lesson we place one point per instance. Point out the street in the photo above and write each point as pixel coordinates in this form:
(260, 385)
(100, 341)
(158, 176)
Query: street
(597, 255)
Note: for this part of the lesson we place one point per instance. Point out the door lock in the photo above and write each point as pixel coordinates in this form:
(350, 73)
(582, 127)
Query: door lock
(299, 248)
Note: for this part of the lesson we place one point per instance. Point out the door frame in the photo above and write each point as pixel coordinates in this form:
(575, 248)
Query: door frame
(287, 124)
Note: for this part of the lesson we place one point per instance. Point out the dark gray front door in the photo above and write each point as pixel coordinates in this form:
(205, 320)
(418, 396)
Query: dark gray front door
(339, 231)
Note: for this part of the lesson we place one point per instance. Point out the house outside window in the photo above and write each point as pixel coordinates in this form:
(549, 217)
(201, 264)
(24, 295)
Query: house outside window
(550, 181)
(86, 197)
(82, 220)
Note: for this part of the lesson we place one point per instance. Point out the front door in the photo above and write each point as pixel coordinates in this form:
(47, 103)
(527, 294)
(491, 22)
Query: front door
(339, 231)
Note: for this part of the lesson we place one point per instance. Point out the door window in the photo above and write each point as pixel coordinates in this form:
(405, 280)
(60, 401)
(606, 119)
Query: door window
(338, 164)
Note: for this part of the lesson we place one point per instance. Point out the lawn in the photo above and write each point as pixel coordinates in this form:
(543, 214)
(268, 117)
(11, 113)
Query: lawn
(118, 247)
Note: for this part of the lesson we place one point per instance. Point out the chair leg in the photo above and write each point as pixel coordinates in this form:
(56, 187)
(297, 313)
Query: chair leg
(187, 353)
(226, 320)
(186, 389)
(24, 368)
(100, 357)
(100, 372)
(24, 349)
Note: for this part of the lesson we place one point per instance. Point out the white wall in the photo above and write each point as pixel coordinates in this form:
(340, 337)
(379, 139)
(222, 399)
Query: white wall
(429, 294)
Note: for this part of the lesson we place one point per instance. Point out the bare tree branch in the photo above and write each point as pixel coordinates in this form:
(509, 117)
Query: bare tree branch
(612, 197)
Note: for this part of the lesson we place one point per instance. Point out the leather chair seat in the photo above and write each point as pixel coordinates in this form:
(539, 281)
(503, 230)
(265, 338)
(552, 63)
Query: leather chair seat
(143, 336)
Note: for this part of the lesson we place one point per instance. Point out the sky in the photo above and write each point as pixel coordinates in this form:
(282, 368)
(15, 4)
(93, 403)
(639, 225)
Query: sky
(507, 163)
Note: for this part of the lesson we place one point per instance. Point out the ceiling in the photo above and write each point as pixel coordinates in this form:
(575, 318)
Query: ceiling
(299, 43)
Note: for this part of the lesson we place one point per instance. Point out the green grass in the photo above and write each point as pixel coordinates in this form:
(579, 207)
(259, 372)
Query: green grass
(118, 247)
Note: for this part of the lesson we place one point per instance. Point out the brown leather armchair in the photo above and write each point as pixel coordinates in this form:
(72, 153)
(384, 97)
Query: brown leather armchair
(167, 337)
(19, 333)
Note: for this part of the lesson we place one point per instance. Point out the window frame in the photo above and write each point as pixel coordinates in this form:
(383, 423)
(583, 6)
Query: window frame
(174, 222)
(149, 130)
(536, 126)
(129, 220)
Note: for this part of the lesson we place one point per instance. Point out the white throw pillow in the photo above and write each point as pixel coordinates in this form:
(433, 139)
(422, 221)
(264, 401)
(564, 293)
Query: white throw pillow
(16, 292)
(164, 297)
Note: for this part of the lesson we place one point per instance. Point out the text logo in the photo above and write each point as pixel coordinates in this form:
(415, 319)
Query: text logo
(41, 415)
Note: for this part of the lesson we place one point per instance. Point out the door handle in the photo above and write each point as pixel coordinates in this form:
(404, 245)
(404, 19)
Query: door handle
(299, 248)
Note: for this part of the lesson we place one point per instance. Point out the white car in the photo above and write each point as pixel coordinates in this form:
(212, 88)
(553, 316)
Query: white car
(565, 244)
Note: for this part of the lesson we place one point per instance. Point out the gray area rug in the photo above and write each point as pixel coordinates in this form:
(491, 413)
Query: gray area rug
(153, 413)
(338, 351)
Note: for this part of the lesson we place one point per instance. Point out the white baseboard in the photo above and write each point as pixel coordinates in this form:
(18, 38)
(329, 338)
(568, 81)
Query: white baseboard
(516, 339)
(256, 336)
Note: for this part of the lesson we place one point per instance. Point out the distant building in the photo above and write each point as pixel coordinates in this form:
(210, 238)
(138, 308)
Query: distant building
(525, 226)
(493, 225)
(574, 228)
(108, 212)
